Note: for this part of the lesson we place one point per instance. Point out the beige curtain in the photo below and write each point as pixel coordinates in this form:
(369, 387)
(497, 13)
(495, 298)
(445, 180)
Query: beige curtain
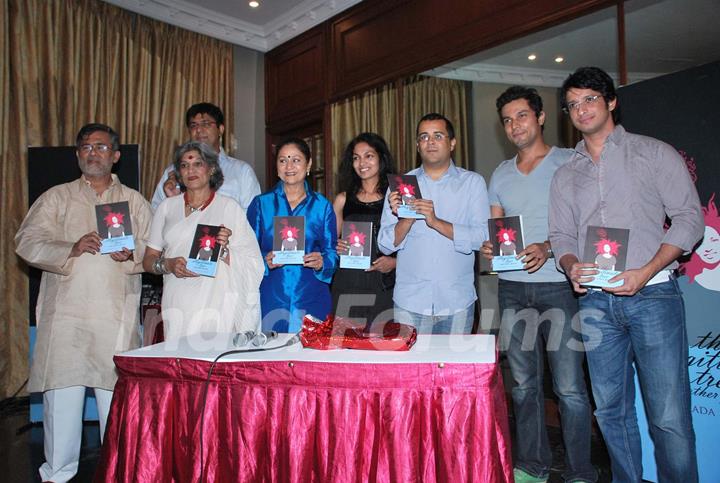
(448, 97)
(69, 62)
(393, 111)
(374, 111)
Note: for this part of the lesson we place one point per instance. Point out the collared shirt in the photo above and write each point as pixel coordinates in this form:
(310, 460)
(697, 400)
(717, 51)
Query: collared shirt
(295, 289)
(240, 182)
(527, 195)
(637, 181)
(436, 275)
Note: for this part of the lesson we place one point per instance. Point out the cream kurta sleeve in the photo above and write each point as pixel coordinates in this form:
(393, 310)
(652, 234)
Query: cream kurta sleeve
(40, 241)
(87, 308)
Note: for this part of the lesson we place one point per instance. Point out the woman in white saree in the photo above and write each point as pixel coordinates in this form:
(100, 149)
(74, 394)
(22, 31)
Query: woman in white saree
(191, 303)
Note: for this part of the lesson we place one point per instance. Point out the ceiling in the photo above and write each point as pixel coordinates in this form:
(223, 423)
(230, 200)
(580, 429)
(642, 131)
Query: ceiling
(661, 36)
(234, 21)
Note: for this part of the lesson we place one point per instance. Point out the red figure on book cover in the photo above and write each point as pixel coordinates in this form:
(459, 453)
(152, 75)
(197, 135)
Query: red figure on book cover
(114, 222)
(289, 235)
(506, 237)
(207, 245)
(607, 251)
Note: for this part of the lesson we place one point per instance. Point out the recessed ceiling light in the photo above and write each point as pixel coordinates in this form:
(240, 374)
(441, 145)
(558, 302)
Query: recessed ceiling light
(532, 57)
(559, 59)
(254, 3)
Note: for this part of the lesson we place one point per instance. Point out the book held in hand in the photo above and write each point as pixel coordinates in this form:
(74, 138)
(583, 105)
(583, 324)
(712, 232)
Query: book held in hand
(409, 189)
(114, 227)
(359, 235)
(288, 240)
(205, 250)
(606, 247)
(506, 235)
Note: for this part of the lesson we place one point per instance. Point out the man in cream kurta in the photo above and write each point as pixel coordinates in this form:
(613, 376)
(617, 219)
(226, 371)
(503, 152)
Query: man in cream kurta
(87, 309)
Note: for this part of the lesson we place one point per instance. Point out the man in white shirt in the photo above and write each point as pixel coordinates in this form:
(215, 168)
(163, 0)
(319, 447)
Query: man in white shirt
(206, 124)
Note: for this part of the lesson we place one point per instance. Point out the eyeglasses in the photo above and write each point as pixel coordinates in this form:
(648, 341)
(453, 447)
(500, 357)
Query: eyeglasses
(203, 124)
(586, 101)
(98, 147)
(437, 137)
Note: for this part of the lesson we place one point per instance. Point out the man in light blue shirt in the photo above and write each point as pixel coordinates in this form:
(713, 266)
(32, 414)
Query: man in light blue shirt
(537, 303)
(435, 276)
(206, 124)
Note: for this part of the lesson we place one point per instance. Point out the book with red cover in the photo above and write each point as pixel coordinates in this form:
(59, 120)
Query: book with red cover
(359, 236)
(114, 227)
(409, 189)
(288, 240)
(507, 238)
(607, 248)
(204, 251)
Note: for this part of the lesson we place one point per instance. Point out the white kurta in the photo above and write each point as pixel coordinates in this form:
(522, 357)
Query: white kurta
(230, 301)
(87, 308)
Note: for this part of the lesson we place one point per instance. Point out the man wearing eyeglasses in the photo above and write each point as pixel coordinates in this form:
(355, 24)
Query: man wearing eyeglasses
(536, 303)
(87, 308)
(206, 124)
(435, 276)
(622, 180)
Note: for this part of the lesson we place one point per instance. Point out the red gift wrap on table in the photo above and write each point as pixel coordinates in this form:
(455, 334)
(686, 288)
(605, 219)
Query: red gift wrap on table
(339, 333)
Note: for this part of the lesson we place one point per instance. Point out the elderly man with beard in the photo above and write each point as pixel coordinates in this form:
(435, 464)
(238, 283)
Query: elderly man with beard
(88, 303)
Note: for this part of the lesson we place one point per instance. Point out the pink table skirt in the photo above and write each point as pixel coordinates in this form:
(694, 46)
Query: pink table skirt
(305, 422)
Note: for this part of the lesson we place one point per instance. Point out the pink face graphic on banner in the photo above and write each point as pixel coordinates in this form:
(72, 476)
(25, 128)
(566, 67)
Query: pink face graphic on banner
(703, 267)
(704, 264)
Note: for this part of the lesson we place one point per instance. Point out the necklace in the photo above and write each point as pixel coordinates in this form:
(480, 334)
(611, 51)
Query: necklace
(296, 201)
(199, 208)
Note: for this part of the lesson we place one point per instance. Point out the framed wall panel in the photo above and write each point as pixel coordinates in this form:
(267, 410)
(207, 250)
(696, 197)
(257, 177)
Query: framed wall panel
(378, 42)
(295, 76)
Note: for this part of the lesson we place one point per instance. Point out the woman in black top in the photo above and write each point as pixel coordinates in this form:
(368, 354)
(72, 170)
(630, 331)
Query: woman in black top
(363, 180)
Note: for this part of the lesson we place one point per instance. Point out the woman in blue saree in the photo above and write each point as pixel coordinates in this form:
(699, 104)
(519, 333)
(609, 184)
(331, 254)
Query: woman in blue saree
(288, 292)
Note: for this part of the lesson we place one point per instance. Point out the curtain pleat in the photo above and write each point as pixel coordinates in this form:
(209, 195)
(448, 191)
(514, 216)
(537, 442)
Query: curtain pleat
(69, 62)
(448, 97)
(393, 110)
(374, 111)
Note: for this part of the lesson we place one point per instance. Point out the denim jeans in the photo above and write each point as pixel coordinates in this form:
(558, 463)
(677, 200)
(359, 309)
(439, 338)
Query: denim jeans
(537, 321)
(649, 330)
(460, 322)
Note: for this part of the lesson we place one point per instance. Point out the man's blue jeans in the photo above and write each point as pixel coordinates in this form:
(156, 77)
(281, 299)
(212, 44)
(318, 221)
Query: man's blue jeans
(537, 320)
(649, 330)
(460, 322)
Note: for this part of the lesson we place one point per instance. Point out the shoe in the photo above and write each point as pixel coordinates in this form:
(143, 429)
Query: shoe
(522, 477)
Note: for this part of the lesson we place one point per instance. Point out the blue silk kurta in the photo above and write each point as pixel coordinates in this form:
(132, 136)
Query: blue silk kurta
(289, 292)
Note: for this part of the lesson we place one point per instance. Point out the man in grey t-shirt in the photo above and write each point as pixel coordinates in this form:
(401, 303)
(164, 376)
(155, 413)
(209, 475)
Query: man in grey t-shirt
(537, 303)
